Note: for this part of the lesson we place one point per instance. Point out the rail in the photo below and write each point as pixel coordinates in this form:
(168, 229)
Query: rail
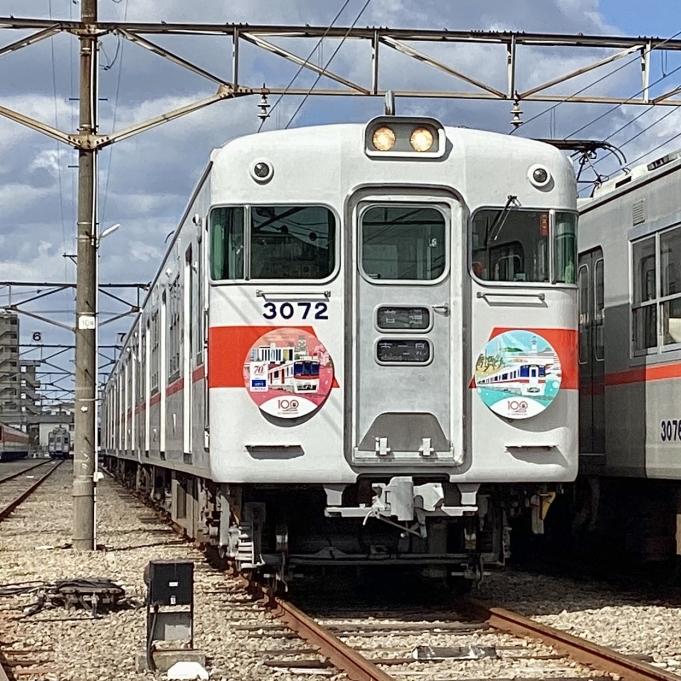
(7, 478)
(340, 654)
(7, 511)
(579, 649)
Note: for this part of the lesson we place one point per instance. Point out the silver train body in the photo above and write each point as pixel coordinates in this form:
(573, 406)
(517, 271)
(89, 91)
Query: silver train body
(359, 353)
(630, 359)
(59, 443)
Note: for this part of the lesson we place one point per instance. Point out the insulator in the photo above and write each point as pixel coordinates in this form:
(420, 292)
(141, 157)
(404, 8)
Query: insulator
(264, 106)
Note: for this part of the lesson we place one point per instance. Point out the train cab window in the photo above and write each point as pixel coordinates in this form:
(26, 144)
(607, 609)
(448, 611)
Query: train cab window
(227, 243)
(403, 243)
(292, 242)
(512, 245)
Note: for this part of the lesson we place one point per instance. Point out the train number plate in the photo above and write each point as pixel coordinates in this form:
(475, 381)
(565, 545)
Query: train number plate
(297, 310)
(670, 430)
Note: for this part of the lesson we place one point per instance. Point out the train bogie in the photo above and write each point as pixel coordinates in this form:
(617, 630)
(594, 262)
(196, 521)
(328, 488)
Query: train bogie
(355, 351)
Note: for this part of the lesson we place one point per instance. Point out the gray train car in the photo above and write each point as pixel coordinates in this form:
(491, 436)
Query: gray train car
(59, 443)
(629, 280)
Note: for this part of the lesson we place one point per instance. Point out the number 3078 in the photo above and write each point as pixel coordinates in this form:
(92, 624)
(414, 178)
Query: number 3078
(670, 430)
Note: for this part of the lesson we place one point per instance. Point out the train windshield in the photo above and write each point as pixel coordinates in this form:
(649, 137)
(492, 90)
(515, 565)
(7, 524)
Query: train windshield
(403, 242)
(273, 242)
(512, 245)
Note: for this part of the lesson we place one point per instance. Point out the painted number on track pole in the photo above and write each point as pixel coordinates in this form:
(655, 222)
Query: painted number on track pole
(670, 430)
(301, 310)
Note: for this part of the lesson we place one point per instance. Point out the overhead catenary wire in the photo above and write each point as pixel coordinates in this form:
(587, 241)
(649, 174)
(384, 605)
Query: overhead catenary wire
(328, 63)
(617, 106)
(650, 151)
(305, 63)
(590, 85)
(639, 133)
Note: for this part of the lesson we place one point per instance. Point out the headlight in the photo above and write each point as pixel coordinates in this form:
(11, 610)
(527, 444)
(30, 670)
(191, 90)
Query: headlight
(383, 139)
(421, 139)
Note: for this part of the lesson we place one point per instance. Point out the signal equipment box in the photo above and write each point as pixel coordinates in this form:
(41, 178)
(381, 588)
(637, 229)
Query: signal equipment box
(169, 583)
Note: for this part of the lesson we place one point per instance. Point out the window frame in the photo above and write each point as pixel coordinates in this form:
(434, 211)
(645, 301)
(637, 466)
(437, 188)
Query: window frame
(658, 302)
(596, 323)
(551, 281)
(583, 326)
(247, 279)
(438, 206)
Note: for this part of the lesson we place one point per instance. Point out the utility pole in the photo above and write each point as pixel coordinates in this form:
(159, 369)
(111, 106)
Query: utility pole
(85, 417)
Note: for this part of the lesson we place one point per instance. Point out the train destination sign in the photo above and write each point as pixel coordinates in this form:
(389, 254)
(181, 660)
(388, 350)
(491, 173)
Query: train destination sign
(403, 318)
(403, 351)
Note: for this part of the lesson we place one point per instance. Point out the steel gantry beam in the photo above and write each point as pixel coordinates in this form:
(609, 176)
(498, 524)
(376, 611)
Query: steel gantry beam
(412, 44)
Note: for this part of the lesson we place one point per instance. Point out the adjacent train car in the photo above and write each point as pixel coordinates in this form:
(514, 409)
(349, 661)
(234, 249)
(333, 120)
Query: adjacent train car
(630, 362)
(311, 380)
(14, 444)
(59, 443)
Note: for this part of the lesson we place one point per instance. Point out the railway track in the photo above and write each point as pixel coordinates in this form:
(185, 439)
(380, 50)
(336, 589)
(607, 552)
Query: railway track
(443, 644)
(367, 647)
(15, 489)
(23, 468)
(18, 487)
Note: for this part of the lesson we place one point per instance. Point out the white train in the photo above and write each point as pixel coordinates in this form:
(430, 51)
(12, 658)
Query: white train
(307, 383)
(630, 363)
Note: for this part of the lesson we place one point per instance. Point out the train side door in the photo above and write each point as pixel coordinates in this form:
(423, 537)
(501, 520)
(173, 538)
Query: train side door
(591, 353)
(403, 374)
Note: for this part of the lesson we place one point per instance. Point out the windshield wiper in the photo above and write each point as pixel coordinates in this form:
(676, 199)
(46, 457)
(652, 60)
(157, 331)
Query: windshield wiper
(501, 218)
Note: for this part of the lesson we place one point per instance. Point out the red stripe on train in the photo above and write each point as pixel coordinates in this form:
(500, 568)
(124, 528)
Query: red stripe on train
(228, 348)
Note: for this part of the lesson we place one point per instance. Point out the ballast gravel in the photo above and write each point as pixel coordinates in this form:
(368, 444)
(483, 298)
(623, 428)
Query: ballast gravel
(69, 645)
(238, 636)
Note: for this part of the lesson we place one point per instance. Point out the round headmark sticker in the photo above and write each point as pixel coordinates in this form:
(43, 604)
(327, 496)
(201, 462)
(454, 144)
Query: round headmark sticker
(518, 374)
(288, 373)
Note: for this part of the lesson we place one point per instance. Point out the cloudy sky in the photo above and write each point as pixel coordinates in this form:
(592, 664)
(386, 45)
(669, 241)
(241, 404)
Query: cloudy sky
(146, 181)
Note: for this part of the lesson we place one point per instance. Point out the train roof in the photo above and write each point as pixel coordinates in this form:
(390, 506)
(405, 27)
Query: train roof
(634, 177)
(468, 139)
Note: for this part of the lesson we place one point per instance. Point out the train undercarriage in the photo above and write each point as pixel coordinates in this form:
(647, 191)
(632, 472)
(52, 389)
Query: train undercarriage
(444, 531)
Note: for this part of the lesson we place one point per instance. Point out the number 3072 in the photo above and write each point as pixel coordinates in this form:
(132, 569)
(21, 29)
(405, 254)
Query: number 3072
(300, 310)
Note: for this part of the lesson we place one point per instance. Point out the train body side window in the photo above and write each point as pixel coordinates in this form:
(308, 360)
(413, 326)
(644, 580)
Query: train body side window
(644, 308)
(670, 276)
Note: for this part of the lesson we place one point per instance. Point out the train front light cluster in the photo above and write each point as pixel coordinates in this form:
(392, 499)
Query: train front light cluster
(391, 136)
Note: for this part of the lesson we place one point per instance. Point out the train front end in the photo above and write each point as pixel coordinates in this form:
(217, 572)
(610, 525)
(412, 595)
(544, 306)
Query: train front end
(392, 344)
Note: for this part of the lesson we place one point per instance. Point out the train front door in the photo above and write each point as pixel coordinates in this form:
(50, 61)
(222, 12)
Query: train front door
(406, 409)
(591, 354)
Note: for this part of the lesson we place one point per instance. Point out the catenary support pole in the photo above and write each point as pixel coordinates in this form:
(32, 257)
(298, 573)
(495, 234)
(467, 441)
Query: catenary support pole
(84, 449)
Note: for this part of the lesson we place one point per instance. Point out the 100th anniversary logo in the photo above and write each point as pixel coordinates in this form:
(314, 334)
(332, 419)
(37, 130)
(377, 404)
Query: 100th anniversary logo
(518, 374)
